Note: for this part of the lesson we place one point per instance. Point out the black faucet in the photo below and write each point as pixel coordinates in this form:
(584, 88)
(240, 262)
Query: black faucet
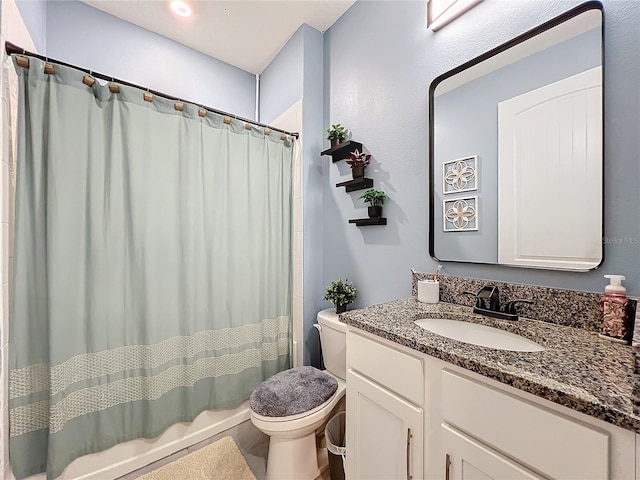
(488, 303)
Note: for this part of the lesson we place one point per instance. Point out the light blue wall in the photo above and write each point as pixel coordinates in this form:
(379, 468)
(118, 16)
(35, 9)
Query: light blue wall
(87, 37)
(312, 185)
(33, 13)
(380, 60)
(467, 124)
(297, 73)
(281, 83)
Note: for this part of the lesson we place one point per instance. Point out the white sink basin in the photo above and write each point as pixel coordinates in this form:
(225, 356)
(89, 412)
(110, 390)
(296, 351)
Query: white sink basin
(477, 334)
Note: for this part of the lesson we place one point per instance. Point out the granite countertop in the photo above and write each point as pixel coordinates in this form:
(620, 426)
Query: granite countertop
(577, 369)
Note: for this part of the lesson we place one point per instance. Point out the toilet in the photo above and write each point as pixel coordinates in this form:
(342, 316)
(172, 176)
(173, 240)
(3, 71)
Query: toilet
(292, 405)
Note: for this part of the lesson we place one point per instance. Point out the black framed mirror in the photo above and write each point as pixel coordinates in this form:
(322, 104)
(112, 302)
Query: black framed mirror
(516, 150)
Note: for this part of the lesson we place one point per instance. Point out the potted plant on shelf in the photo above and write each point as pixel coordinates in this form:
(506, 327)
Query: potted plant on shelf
(336, 134)
(340, 294)
(358, 161)
(376, 198)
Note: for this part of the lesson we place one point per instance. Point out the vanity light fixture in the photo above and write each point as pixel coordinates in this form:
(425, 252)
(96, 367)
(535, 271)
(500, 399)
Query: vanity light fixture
(441, 12)
(181, 8)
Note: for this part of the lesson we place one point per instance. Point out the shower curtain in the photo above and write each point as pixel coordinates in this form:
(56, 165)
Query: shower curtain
(152, 266)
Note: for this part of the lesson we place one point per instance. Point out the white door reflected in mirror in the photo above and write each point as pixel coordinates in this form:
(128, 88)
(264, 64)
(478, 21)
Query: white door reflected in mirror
(552, 137)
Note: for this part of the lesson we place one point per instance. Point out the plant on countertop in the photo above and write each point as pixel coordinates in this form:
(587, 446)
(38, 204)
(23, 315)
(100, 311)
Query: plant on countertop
(341, 294)
(374, 197)
(358, 159)
(337, 132)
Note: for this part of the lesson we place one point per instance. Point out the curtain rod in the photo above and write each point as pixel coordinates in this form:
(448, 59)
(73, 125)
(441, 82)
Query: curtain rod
(11, 49)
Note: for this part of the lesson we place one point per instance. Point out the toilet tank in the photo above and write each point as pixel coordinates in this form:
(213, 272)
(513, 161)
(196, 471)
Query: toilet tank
(333, 338)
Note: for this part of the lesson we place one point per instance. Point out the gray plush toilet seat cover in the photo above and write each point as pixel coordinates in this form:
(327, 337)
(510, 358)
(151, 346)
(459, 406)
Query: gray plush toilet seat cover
(292, 392)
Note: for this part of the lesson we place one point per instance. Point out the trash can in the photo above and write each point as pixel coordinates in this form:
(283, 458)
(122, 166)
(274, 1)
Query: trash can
(336, 438)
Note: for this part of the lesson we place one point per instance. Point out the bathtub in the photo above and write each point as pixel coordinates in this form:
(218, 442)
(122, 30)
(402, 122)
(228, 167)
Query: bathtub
(127, 457)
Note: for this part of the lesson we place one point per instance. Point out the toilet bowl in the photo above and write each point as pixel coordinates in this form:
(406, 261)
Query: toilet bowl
(292, 443)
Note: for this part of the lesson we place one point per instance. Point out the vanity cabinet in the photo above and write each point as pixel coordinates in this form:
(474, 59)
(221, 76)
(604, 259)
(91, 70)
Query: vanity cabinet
(469, 459)
(538, 438)
(385, 432)
(472, 427)
(384, 413)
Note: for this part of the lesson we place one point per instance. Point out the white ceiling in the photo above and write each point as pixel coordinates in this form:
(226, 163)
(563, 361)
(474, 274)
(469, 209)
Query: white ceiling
(244, 33)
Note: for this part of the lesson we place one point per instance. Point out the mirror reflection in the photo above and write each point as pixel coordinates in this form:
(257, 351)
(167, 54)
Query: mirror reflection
(516, 150)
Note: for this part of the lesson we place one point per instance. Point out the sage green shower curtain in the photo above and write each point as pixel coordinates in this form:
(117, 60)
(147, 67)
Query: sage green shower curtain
(152, 266)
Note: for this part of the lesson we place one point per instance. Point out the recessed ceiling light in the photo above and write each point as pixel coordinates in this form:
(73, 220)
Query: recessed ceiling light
(181, 8)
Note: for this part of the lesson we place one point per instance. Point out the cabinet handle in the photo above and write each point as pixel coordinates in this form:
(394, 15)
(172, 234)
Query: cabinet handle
(447, 466)
(409, 477)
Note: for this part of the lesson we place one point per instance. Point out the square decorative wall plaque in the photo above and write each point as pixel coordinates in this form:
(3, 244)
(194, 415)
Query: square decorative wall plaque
(460, 175)
(460, 214)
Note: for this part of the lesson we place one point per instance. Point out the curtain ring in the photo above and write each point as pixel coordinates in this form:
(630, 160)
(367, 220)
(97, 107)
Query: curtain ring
(48, 68)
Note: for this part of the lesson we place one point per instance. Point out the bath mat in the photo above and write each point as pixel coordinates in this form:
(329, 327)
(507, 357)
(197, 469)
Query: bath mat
(219, 461)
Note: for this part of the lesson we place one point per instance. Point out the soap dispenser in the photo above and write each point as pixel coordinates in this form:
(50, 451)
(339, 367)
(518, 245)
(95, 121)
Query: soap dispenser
(618, 312)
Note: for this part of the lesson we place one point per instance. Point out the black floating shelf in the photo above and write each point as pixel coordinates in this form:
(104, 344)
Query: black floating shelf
(357, 184)
(363, 222)
(342, 150)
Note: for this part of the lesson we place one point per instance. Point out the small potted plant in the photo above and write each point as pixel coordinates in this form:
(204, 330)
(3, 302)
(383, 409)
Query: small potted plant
(340, 294)
(358, 161)
(336, 134)
(376, 198)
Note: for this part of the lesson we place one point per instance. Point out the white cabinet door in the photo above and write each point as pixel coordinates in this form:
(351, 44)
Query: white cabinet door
(384, 433)
(467, 459)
